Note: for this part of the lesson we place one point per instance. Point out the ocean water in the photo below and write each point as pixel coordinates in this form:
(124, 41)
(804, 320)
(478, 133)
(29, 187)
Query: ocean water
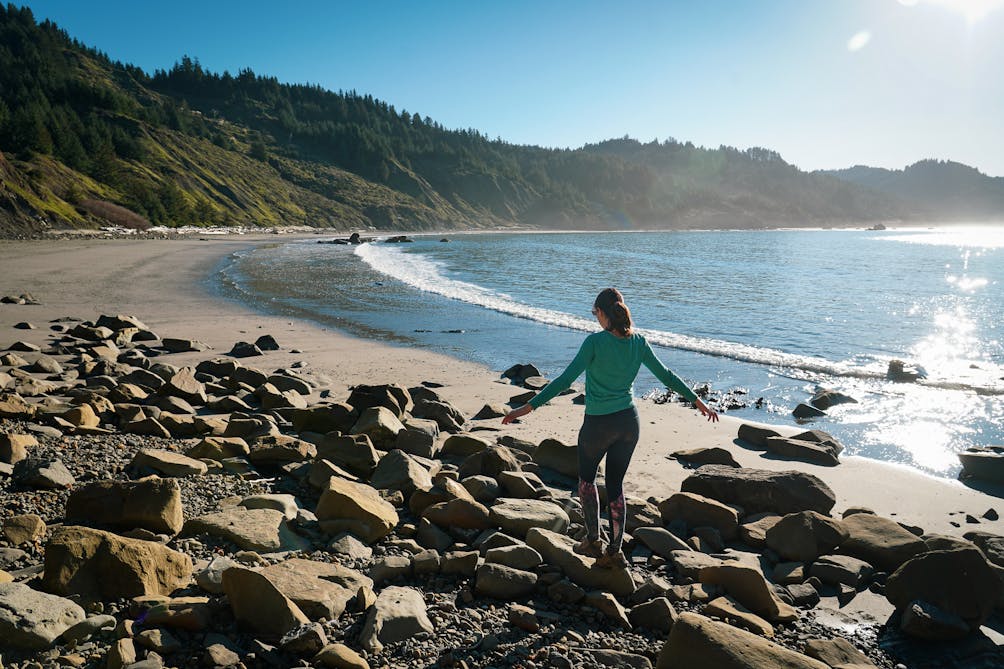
(776, 314)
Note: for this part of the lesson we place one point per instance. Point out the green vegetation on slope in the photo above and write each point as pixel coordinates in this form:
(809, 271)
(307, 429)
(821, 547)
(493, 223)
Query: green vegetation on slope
(84, 136)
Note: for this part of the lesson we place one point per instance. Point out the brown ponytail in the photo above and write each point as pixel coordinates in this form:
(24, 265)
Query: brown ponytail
(611, 303)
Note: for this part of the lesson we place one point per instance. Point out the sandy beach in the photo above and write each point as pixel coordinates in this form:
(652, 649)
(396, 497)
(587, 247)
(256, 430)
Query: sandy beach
(165, 284)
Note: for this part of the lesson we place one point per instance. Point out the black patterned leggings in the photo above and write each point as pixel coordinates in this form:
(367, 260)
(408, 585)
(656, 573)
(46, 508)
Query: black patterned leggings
(615, 436)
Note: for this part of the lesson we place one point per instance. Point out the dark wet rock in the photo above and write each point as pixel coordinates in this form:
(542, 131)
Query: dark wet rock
(957, 582)
(759, 490)
(243, 349)
(705, 456)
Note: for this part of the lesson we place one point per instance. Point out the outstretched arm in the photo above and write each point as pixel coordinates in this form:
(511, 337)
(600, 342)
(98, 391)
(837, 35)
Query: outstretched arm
(674, 382)
(564, 380)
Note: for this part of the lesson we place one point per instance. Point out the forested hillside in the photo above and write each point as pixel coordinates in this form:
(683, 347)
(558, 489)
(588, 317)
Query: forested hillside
(940, 189)
(86, 141)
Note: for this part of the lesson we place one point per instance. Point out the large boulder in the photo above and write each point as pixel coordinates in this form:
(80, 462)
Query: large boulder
(447, 417)
(325, 418)
(699, 511)
(562, 458)
(392, 397)
(152, 504)
(166, 463)
(183, 384)
(660, 541)
(14, 447)
(399, 471)
(262, 530)
(518, 516)
(256, 603)
(557, 548)
(463, 446)
(879, 541)
(697, 642)
(380, 424)
(346, 506)
(461, 512)
(959, 582)
(354, 452)
(490, 462)
(806, 451)
(32, 620)
(758, 490)
(320, 589)
(748, 586)
(398, 614)
(101, 566)
(504, 582)
(805, 535)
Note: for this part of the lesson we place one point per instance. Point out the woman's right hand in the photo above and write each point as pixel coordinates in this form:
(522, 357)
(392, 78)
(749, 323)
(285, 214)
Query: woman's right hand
(516, 413)
(707, 411)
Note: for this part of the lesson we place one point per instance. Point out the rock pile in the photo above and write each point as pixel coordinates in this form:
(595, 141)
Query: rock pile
(220, 515)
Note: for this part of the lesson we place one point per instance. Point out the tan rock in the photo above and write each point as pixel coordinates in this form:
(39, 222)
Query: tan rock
(121, 654)
(353, 452)
(153, 504)
(167, 463)
(82, 416)
(460, 512)
(101, 566)
(380, 424)
(340, 656)
(733, 612)
(320, 589)
(698, 511)
(562, 458)
(805, 535)
(183, 384)
(836, 651)
(14, 447)
(398, 614)
(219, 448)
(399, 471)
(519, 516)
(263, 530)
(256, 603)
(879, 541)
(346, 506)
(608, 605)
(557, 549)
(697, 642)
(748, 586)
(24, 529)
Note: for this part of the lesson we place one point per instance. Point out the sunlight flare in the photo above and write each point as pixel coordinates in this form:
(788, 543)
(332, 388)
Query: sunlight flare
(859, 41)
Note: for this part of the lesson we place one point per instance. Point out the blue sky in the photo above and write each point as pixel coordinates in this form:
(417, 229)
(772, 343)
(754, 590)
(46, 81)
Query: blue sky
(827, 83)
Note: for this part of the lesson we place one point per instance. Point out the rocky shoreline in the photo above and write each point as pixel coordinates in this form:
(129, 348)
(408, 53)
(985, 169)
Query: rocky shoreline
(220, 515)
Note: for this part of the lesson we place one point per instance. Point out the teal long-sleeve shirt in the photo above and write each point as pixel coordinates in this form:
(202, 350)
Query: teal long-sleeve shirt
(611, 364)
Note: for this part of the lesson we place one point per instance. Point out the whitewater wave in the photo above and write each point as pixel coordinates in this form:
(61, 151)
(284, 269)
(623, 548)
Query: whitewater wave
(426, 274)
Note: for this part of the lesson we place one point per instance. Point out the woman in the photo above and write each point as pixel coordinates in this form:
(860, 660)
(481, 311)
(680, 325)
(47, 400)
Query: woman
(611, 360)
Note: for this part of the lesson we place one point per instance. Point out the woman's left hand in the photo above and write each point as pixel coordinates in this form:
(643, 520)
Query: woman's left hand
(707, 411)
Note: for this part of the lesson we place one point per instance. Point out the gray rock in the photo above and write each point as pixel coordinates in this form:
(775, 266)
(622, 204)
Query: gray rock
(519, 516)
(502, 582)
(42, 474)
(33, 620)
(398, 614)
